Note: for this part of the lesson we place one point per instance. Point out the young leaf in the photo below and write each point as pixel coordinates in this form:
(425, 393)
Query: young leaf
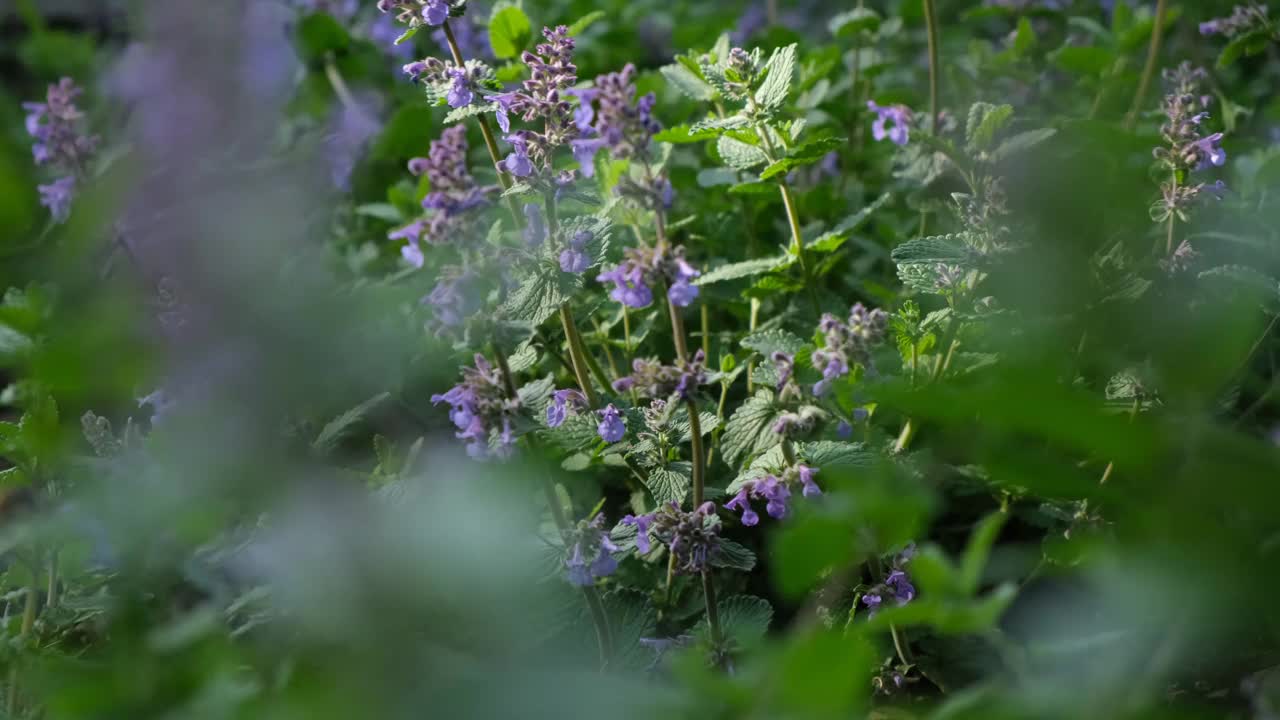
(509, 32)
(750, 429)
(777, 82)
(739, 155)
(669, 484)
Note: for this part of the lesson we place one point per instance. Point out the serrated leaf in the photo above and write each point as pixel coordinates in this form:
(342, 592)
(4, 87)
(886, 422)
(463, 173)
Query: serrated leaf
(746, 268)
(537, 298)
(468, 111)
(381, 211)
(509, 32)
(408, 35)
(537, 394)
(777, 82)
(688, 83)
(985, 120)
(744, 618)
(930, 250)
(739, 155)
(336, 430)
(733, 556)
(718, 125)
(750, 428)
(669, 484)
(833, 454)
(1250, 43)
(682, 135)
(1022, 142)
(767, 342)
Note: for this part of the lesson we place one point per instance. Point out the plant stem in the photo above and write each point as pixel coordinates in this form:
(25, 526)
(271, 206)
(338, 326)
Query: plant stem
(604, 344)
(752, 322)
(931, 30)
(705, 315)
(51, 595)
(28, 621)
(899, 642)
(577, 354)
(489, 142)
(599, 619)
(909, 427)
(713, 608)
(1148, 70)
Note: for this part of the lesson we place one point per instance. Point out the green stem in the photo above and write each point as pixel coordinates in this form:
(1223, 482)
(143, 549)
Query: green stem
(713, 608)
(28, 622)
(931, 30)
(899, 641)
(1148, 70)
(705, 315)
(489, 141)
(752, 322)
(51, 596)
(599, 619)
(577, 354)
(908, 431)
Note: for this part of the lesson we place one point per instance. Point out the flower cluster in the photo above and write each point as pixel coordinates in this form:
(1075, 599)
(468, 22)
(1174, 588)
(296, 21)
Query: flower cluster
(564, 402)
(896, 586)
(480, 408)
(621, 123)
(590, 553)
(612, 426)
(692, 537)
(456, 84)
(574, 258)
(643, 267)
(1186, 147)
(542, 97)
(417, 12)
(457, 295)
(56, 126)
(775, 491)
(898, 115)
(651, 379)
(453, 193)
(1243, 18)
(845, 344)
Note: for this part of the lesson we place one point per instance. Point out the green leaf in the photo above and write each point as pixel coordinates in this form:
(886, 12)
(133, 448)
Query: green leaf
(319, 34)
(831, 454)
(767, 342)
(852, 22)
(381, 211)
(468, 111)
(979, 547)
(1082, 59)
(341, 427)
(985, 120)
(669, 484)
(538, 297)
(407, 35)
(930, 250)
(1022, 142)
(586, 21)
(509, 32)
(1024, 39)
(717, 125)
(1250, 43)
(739, 155)
(746, 268)
(777, 82)
(688, 83)
(1236, 278)
(750, 428)
(734, 556)
(682, 135)
(743, 618)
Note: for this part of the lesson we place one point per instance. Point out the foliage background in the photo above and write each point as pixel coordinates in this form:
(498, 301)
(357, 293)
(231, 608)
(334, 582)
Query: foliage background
(262, 555)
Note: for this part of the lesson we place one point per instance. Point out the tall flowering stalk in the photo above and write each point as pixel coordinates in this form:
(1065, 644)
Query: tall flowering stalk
(56, 126)
(1188, 148)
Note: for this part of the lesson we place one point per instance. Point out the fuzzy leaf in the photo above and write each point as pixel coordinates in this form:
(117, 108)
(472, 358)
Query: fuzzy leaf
(985, 120)
(467, 111)
(930, 250)
(744, 618)
(746, 268)
(586, 21)
(750, 429)
(341, 427)
(832, 454)
(669, 484)
(734, 556)
(739, 155)
(1022, 142)
(688, 83)
(777, 82)
(767, 342)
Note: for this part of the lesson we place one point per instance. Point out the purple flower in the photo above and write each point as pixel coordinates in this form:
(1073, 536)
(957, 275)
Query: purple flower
(412, 253)
(460, 94)
(742, 502)
(682, 294)
(479, 407)
(845, 343)
(899, 115)
(585, 113)
(584, 151)
(872, 600)
(562, 402)
(641, 523)
(629, 286)
(653, 380)
(844, 430)
(903, 591)
(591, 554)
(535, 228)
(806, 473)
(692, 537)
(1243, 18)
(1210, 151)
(574, 258)
(436, 12)
(612, 427)
(57, 196)
(455, 298)
(517, 163)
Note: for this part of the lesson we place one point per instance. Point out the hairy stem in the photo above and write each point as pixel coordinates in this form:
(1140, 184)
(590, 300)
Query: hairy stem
(931, 30)
(713, 608)
(1148, 70)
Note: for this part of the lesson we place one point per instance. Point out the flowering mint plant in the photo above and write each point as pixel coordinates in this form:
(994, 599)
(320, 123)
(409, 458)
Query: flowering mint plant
(59, 142)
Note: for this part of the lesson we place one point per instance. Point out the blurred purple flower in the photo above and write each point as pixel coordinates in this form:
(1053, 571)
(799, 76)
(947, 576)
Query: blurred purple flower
(612, 427)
